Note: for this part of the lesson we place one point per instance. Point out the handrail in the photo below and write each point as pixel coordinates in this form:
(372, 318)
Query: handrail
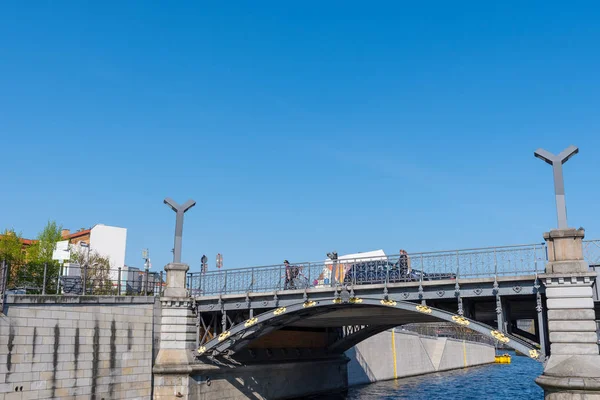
(448, 264)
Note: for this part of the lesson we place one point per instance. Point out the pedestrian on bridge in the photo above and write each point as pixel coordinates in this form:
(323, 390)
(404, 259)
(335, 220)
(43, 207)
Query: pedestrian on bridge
(290, 273)
(404, 263)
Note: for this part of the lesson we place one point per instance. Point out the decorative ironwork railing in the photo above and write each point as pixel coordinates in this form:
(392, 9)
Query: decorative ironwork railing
(429, 266)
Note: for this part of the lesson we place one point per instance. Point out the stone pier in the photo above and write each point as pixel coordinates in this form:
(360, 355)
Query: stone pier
(177, 338)
(573, 369)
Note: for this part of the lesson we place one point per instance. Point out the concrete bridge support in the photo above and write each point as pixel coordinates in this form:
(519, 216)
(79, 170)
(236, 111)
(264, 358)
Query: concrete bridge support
(573, 369)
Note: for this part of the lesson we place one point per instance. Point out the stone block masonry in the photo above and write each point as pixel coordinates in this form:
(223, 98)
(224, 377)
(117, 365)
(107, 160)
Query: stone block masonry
(59, 347)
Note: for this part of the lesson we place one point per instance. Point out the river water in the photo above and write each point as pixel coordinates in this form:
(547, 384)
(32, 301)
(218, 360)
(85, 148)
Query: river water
(513, 381)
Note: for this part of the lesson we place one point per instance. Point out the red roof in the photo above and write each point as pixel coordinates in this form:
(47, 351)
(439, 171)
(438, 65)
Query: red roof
(27, 242)
(77, 234)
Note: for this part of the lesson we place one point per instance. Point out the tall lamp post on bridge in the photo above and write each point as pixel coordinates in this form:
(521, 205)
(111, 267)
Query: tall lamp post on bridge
(333, 256)
(573, 369)
(176, 271)
(557, 162)
(177, 344)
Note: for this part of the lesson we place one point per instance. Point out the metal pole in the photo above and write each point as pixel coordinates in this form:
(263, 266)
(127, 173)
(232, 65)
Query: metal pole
(495, 264)
(499, 313)
(557, 161)
(161, 283)
(44, 284)
(3, 280)
(146, 282)
(58, 278)
(119, 278)
(541, 323)
(179, 210)
(85, 268)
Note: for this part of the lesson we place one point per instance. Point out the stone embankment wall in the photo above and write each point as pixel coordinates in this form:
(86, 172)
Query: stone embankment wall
(397, 354)
(59, 347)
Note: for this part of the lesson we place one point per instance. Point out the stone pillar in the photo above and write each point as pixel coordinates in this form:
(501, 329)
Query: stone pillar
(573, 369)
(177, 338)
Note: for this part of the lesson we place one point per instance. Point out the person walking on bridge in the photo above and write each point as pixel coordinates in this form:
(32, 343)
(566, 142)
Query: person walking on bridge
(290, 271)
(404, 263)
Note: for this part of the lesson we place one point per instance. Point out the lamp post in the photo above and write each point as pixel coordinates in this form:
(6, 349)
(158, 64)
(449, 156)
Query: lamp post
(179, 209)
(333, 256)
(557, 162)
(204, 262)
(146, 258)
(85, 268)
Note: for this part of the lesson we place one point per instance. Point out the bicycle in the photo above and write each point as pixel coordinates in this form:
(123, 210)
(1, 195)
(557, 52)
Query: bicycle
(297, 279)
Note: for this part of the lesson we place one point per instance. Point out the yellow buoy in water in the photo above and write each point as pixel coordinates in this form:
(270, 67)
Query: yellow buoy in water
(503, 359)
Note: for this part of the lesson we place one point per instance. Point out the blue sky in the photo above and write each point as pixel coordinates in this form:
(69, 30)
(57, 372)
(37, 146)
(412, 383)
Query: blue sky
(299, 128)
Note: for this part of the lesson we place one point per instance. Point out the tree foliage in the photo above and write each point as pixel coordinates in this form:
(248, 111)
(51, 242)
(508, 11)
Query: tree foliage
(41, 251)
(11, 253)
(28, 265)
(96, 269)
(11, 247)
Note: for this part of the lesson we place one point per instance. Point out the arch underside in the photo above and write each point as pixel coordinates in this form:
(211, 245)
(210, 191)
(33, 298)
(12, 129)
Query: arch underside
(372, 315)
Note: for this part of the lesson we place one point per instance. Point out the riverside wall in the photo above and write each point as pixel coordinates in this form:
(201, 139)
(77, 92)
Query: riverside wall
(398, 354)
(84, 347)
(101, 348)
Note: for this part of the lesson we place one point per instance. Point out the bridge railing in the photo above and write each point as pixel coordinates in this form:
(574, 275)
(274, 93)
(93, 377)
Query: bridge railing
(428, 266)
(591, 252)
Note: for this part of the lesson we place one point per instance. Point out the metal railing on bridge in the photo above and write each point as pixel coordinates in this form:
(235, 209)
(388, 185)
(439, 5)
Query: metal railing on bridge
(429, 266)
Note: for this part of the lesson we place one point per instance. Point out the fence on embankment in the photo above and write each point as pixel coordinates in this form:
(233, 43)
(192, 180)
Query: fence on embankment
(50, 278)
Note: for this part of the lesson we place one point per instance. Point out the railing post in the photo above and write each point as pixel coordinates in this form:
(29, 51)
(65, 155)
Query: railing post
(387, 273)
(225, 284)
(203, 284)
(146, 282)
(161, 284)
(279, 279)
(535, 263)
(44, 282)
(3, 280)
(334, 267)
(353, 275)
(495, 263)
(119, 281)
(83, 284)
(457, 264)
(60, 272)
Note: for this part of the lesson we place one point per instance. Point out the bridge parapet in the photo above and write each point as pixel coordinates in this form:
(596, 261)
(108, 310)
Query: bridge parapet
(489, 262)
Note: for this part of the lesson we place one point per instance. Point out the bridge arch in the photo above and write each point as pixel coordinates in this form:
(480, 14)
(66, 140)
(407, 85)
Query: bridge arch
(241, 334)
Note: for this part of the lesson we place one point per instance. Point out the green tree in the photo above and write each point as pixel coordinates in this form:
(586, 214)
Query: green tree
(40, 262)
(11, 247)
(41, 251)
(97, 271)
(11, 253)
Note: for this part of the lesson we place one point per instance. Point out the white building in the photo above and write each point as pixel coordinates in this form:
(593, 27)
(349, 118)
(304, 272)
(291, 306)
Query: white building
(107, 241)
